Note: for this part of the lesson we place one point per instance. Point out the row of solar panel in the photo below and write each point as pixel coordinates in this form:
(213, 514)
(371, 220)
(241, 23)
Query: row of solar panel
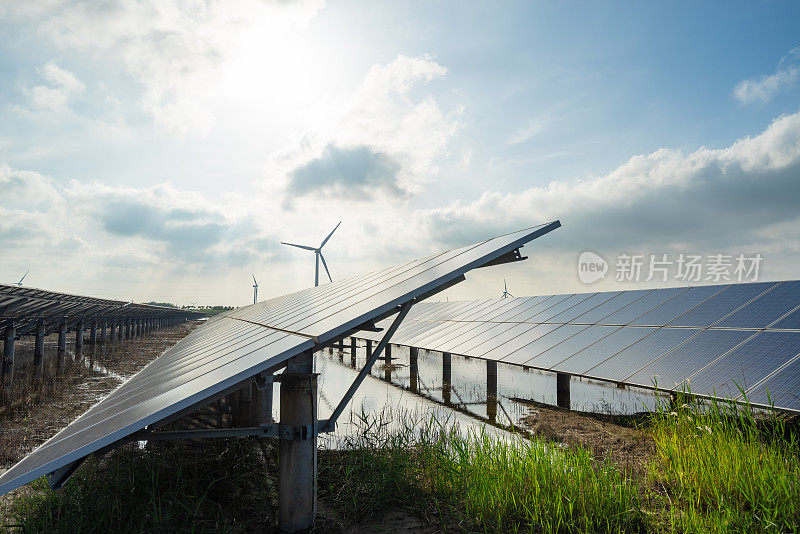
(234, 347)
(709, 338)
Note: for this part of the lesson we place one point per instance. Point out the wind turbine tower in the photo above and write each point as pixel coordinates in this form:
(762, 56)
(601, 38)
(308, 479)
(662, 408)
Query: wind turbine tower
(255, 290)
(505, 294)
(318, 254)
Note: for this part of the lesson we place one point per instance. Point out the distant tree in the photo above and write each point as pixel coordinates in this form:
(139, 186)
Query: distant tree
(164, 304)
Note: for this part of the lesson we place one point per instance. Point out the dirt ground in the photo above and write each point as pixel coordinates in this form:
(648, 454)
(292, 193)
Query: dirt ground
(616, 438)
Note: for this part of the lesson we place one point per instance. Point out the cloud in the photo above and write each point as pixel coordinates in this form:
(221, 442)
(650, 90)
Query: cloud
(54, 98)
(765, 87)
(743, 195)
(174, 48)
(357, 171)
(386, 141)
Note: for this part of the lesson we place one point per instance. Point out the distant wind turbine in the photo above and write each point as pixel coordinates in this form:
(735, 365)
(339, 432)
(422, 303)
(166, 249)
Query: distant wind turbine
(505, 294)
(255, 290)
(23, 278)
(318, 254)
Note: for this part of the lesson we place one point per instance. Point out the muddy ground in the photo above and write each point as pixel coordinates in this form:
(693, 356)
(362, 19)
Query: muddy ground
(31, 411)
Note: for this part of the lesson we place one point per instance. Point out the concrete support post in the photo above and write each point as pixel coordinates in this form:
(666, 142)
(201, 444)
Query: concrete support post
(62, 346)
(387, 362)
(9, 336)
(38, 350)
(369, 348)
(491, 390)
(413, 366)
(353, 348)
(262, 405)
(446, 376)
(103, 329)
(78, 338)
(562, 390)
(93, 333)
(120, 328)
(297, 486)
(245, 405)
(127, 329)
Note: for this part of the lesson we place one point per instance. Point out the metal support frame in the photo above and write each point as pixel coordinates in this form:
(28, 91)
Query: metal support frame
(404, 309)
(38, 350)
(447, 376)
(562, 390)
(9, 337)
(62, 346)
(267, 430)
(78, 338)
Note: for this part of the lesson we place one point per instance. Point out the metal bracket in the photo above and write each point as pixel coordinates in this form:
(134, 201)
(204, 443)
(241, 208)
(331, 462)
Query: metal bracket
(508, 257)
(270, 430)
(264, 382)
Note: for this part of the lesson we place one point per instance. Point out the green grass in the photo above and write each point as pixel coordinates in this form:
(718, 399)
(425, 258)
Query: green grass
(489, 483)
(715, 469)
(725, 470)
(221, 486)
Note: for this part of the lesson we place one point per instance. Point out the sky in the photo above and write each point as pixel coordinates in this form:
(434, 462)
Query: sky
(162, 149)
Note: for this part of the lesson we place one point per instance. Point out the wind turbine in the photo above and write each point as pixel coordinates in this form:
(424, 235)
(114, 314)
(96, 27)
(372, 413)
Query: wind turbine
(318, 254)
(23, 278)
(255, 290)
(505, 294)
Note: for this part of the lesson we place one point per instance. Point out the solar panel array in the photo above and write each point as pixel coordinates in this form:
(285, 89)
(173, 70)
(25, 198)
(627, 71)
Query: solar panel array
(712, 339)
(26, 306)
(236, 346)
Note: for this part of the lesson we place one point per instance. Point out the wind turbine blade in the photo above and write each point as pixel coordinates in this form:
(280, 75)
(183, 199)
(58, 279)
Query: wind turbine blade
(254, 280)
(326, 266)
(329, 235)
(23, 276)
(298, 246)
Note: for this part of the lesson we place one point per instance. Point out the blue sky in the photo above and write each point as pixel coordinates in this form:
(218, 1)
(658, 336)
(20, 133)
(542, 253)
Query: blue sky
(163, 149)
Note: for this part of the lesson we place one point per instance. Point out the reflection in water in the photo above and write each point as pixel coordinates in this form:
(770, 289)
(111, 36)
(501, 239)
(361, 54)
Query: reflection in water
(461, 390)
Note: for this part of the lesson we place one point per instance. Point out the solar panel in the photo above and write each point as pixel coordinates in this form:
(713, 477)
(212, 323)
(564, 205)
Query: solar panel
(541, 344)
(247, 341)
(570, 346)
(641, 306)
(670, 370)
(781, 389)
(747, 364)
(767, 308)
(722, 304)
(677, 305)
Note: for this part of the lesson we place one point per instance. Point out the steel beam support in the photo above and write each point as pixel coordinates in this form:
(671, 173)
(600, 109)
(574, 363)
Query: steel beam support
(262, 401)
(245, 405)
(78, 338)
(447, 376)
(93, 333)
(371, 359)
(62, 346)
(297, 483)
(103, 329)
(562, 390)
(38, 350)
(9, 336)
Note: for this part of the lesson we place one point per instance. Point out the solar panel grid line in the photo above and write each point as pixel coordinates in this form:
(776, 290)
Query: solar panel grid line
(645, 304)
(463, 325)
(628, 337)
(732, 288)
(673, 349)
(705, 294)
(551, 339)
(98, 439)
(766, 309)
(441, 325)
(587, 305)
(758, 384)
(741, 368)
(299, 321)
(781, 391)
(192, 367)
(784, 316)
(718, 358)
(616, 304)
(547, 359)
(143, 386)
(430, 264)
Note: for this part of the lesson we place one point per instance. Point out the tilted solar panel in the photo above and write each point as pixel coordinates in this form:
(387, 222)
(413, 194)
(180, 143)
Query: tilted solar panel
(245, 342)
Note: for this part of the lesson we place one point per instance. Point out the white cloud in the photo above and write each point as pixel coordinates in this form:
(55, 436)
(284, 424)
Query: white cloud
(54, 98)
(765, 87)
(742, 197)
(386, 140)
